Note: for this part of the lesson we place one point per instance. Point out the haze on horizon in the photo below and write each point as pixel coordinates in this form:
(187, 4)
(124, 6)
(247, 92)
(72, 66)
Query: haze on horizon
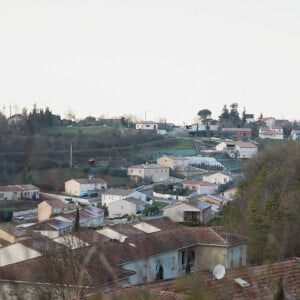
(152, 59)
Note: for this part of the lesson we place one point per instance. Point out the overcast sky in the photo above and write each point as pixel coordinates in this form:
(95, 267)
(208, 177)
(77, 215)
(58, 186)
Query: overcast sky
(152, 59)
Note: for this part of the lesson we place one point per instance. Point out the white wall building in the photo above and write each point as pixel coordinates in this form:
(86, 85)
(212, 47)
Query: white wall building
(128, 206)
(149, 172)
(238, 149)
(172, 161)
(84, 186)
(217, 178)
(146, 125)
(112, 195)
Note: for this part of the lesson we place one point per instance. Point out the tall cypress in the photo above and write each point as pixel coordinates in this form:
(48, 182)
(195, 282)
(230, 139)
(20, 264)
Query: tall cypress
(77, 223)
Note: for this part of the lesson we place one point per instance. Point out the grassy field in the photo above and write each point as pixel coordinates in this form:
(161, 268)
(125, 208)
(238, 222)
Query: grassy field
(81, 129)
(160, 204)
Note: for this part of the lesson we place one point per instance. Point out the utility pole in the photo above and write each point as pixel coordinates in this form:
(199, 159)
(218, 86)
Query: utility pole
(71, 156)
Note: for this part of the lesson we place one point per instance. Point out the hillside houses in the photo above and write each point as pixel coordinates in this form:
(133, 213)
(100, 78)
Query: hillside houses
(128, 206)
(218, 178)
(85, 186)
(134, 258)
(237, 133)
(148, 172)
(146, 125)
(275, 133)
(195, 211)
(200, 186)
(20, 191)
(295, 135)
(48, 208)
(237, 149)
(173, 162)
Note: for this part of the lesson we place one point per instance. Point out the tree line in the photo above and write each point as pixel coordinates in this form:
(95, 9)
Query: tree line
(266, 208)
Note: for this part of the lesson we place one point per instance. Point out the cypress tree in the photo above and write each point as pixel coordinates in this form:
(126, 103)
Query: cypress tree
(76, 224)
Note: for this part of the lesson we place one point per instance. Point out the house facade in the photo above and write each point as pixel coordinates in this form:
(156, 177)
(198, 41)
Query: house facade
(128, 206)
(274, 133)
(206, 188)
(236, 133)
(295, 135)
(146, 125)
(89, 216)
(85, 186)
(195, 211)
(47, 208)
(15, 192)
(192, 184)
(238, 149)
(149, 172)
(269, 121)
(173, 162)
(112, 195)
(217, 178)
(198, 248)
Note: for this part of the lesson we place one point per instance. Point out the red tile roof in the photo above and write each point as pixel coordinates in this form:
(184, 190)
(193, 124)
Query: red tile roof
(265, 282)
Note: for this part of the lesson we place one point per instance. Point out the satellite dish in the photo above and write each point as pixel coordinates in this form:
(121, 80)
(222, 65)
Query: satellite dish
(219, 271)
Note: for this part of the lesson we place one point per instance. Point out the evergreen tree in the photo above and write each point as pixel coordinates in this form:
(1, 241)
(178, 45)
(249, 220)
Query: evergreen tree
(77, 220)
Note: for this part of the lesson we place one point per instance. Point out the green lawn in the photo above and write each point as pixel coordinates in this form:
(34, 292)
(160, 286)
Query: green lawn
(81, 129)
(161, 204)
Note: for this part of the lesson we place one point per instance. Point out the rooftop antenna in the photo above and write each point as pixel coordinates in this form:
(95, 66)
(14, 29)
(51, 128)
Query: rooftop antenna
(219, 271)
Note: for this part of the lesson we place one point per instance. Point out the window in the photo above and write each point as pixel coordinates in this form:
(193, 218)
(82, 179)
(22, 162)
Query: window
(173, 264)
(183, 258)
(191, 258)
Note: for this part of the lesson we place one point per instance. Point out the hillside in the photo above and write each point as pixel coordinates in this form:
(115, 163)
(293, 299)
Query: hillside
(107, 146)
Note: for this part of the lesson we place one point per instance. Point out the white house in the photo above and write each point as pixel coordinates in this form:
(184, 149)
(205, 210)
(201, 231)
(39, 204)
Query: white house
(197, 247)
(269, 121)
(275, 133)
(149, 172)
(89, 216)
(14, 192)
(217, 178)
(193, 210)
(207, 188)
(172, 161)
(85, 186)
(146, 125)
(112, 195)
(50, 207)
(238, 149)
(128, 206)
(295, 135)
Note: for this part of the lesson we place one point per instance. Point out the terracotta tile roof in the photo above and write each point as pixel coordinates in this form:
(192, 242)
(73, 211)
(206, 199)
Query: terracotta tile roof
(163, 223)
(135, 201)
(68, 266)
(51, 224)
(26, 187)
(264, 283)
(193, 203)
(163, 241)
(141, 292)
(42, 244)
(57, 203)
(10, 188)
(92, 237)
(12, 229)
(120, 192)
(148, 166)
(192, 182)
(89, 180)
(127, 229)
(236, 129)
